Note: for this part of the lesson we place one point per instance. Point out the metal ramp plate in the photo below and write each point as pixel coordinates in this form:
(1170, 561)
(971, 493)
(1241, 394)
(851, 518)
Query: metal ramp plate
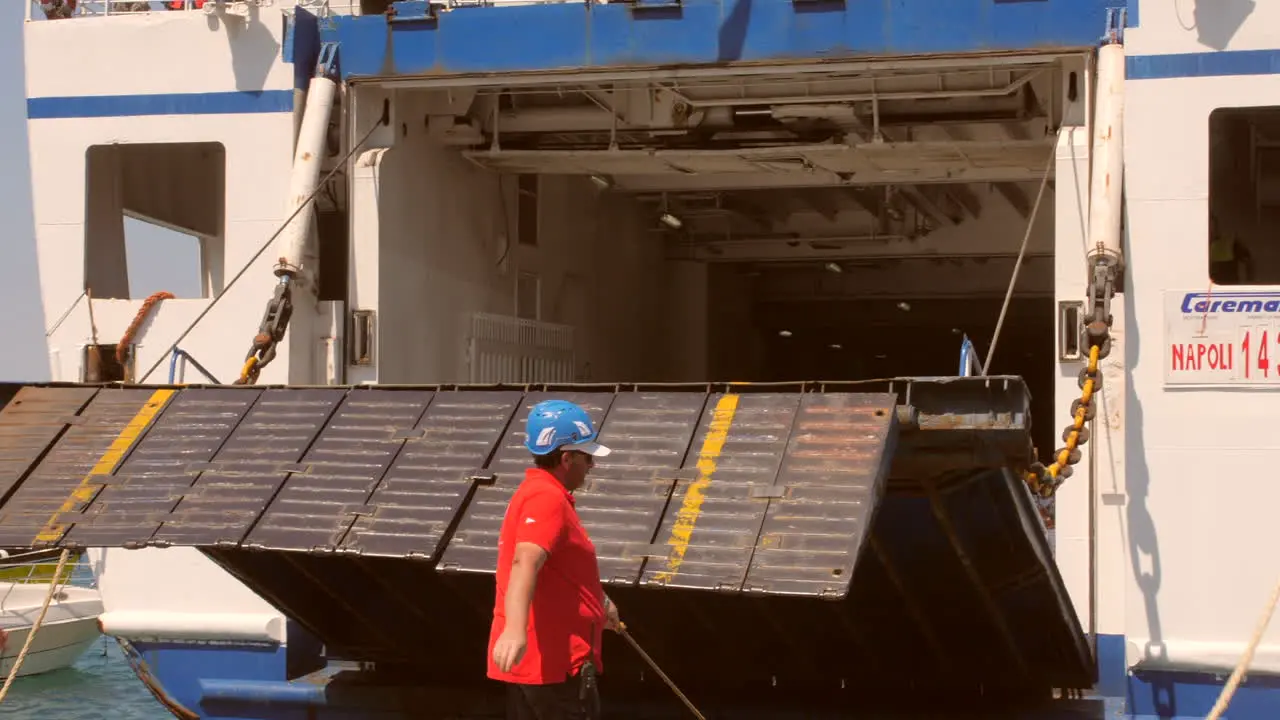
(820, 507)
(31, 422)
(627, 492)
(317, 506)
(68, 477)
(415, 507)
(159, 470)
(474, 547)
(843, 511)
(233, 489)
(707, 539)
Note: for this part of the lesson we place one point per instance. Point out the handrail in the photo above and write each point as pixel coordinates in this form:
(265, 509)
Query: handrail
(173, 366)
(101, 8)
(41, 572)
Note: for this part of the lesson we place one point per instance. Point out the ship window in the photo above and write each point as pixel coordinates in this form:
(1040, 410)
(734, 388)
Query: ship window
(527, 210)
(154, 219)
(1244, 196)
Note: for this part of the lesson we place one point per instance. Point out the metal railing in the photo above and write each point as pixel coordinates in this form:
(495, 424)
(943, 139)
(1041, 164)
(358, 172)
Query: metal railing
(66, 9)
(41, 568)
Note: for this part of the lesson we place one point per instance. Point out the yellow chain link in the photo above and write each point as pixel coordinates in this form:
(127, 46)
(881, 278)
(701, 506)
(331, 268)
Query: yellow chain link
(246, 372)
(1044, 480)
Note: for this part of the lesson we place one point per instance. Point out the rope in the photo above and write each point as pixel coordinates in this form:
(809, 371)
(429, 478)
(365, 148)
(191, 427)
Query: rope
(305, 204)
(1017, 266)
(1237, 675)
(622, 630)
(31, 636)
(143, 312)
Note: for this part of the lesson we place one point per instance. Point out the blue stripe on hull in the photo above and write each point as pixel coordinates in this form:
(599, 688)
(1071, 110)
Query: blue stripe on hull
(221, 681)
(218, 103)
(1204, 64)
(591, 37)
(1168, 695)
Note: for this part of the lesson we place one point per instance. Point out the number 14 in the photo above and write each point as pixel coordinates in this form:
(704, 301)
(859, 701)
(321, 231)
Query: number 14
(1264, 362)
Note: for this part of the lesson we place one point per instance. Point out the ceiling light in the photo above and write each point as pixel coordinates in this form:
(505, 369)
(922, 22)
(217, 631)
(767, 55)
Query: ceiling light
(904, 306)
(834, 267)
(784, 333)
(671, 221)
(602, 183)
(836, 346)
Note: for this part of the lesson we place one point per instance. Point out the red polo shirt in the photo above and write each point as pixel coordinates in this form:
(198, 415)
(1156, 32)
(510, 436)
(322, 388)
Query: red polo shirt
(566, 618)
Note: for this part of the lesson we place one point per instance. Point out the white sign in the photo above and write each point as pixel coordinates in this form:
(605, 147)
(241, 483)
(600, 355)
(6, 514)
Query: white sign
(1222, 337)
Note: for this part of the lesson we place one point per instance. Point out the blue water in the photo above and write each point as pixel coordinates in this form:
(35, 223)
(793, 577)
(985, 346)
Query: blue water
(99, 685)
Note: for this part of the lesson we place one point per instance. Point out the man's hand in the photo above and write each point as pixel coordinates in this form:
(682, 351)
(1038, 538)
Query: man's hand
(509, 648)
(613, 622)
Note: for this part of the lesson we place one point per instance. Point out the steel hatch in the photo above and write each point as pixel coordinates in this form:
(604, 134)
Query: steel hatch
(839, 536)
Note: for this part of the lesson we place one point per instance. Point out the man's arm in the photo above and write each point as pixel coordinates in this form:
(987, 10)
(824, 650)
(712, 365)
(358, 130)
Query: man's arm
(541, 524)
(525, 564)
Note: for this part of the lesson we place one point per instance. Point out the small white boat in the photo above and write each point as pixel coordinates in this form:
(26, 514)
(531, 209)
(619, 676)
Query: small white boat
(70, 626)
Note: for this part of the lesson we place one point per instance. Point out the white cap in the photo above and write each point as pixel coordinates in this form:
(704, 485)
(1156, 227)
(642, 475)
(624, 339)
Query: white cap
(594, 449)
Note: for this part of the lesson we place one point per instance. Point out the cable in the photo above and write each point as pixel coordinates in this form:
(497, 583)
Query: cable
(1017, 266)
(622, 630)
(305, 204)
(31, 634)
(1237, 675)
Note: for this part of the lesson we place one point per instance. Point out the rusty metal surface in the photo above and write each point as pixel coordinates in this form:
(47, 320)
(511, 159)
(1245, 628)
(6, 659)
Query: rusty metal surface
(315, 508)
(156, 475)
(29, 424)
(474, 545)
(709, 532)
(832, 475)
(626, 494)
(796, 493)
(242, 479)
(419, 499)
(57, 489)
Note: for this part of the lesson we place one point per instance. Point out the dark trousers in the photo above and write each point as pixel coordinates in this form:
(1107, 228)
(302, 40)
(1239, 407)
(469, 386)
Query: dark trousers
(573, 699)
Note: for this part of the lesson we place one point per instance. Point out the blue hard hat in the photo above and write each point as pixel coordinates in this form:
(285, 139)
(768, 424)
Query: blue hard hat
(561, 424)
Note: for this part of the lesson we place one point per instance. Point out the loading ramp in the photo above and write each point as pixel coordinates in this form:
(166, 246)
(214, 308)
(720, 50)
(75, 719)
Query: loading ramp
(822, 538)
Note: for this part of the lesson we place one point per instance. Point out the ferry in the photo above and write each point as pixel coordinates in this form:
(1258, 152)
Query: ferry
(752, 238)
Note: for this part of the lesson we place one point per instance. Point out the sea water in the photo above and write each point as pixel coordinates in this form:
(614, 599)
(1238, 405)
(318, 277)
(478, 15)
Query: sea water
(99, 686)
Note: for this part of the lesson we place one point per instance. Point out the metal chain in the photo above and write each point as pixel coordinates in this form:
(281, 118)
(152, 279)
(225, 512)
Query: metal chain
(1045, 480)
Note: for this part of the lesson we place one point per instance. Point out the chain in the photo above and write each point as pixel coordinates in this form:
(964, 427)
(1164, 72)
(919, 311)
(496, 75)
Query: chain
(275, 322)
(1046, 479)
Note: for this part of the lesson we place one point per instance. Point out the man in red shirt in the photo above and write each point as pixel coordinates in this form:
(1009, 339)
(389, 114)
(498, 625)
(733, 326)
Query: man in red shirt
(550, 610)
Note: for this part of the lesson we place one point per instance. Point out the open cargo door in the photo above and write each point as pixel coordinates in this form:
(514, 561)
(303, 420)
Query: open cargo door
(762, 541)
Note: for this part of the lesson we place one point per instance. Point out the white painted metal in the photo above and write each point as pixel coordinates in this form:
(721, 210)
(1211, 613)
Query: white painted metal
(306, 174)
(514, 350)
(1222, 338)
(70, 625)
(1107, 183)
(1150, 543)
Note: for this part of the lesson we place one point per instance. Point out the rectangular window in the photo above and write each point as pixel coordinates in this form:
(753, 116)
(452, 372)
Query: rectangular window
(154, 216)
(1244, 196)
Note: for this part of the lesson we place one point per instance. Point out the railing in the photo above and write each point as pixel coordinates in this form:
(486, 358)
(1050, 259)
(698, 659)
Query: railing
(506, 349)
(66, 9)
(40, 569)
